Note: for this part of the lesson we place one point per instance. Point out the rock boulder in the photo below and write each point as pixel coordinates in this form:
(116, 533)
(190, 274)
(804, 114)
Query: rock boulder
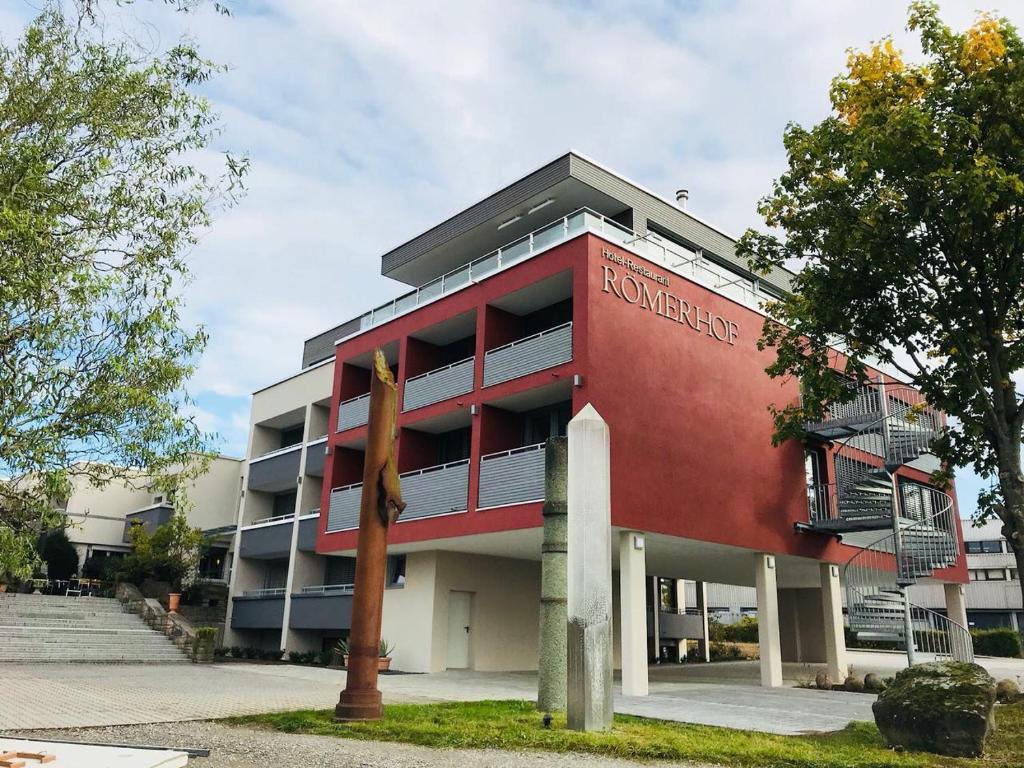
(943, 707)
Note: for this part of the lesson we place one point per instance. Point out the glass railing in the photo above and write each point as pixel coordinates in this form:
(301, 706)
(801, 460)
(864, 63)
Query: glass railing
(674, 257)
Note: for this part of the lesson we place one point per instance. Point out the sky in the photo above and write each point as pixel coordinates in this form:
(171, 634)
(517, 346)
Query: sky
(368, 122)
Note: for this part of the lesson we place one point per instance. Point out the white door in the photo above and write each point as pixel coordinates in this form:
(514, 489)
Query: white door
(460, 608)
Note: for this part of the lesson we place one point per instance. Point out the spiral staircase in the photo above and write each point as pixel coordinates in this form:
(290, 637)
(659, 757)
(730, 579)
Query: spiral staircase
(884, 427)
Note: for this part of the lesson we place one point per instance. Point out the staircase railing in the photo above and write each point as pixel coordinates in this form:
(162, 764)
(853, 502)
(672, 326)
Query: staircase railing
(890, 425)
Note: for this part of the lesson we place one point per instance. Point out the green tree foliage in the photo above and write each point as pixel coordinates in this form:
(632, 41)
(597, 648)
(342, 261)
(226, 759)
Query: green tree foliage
(101, 199)
(59, 554)
(172, 553)
(905, 208)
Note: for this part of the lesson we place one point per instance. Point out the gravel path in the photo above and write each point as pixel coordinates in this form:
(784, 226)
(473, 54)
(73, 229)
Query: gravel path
(232, 747)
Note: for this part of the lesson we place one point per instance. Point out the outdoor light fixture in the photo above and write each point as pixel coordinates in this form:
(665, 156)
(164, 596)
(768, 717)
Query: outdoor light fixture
(538, 206)
(473, 410)
(577, 380)
(513, 220)
(638, 541)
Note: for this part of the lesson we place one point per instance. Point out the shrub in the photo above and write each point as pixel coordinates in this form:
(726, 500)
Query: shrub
(220, 652)
(294, 657)
(171, 554)
(270, 655)
(997, 642)
(725, 652)
(251, 653)
(60, 555)
(326, 657)
(235, 652)
(743, 631)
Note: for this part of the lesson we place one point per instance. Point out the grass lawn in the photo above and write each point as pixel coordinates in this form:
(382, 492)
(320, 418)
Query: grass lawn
(516, 725)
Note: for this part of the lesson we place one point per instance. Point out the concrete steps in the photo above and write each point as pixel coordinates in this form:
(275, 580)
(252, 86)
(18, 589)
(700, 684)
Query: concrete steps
(46, 628)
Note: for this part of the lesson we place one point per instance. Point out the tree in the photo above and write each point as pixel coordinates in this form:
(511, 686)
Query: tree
(59, 554)
(101, 199)
(172, 553)
(906, 209)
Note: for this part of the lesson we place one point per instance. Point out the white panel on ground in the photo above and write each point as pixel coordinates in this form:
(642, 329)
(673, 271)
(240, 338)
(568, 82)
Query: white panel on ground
(83, 756)
(589, 556)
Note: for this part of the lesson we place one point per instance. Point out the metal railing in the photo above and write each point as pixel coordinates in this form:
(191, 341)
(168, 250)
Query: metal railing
(439, 384)
(515, 476)
(674, 257)
(266, 592)
(274, 519)
(328, 589)
(548, 348)
(353, 412)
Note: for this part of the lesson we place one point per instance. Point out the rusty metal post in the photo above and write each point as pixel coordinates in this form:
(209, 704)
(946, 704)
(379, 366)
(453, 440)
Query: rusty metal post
(380, 505)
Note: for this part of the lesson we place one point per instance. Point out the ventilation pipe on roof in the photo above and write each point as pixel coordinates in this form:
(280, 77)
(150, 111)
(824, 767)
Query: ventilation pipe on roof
(682, 195)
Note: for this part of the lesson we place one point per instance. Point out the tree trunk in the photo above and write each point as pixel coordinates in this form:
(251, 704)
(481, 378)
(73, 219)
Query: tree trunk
(1012, 514)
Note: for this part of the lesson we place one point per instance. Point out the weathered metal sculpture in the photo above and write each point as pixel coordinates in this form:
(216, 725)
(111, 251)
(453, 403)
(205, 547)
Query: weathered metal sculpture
(380, 505)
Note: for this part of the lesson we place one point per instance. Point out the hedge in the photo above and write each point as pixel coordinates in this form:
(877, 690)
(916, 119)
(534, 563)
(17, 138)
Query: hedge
(1003, 641)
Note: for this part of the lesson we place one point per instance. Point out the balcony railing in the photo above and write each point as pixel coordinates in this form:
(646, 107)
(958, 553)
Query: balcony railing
(674, 257)
(266, 520)
(512, 477)
(354, 412)
(429, 492)
(329, 589)
(439, 384)
(266, 592)
(533, 353)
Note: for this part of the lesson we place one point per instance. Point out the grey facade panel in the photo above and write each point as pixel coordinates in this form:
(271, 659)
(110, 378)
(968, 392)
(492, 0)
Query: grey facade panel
(535, 353)
(316, 455)
(275, 474)
(509, 197)
(325, 612)
(150, 519)
(512, 478)
(321, 346)
(436, 492)
(354, 412)
(344, 510)
(433, 387)
(267, 541)
(257, 613)
(307, 534)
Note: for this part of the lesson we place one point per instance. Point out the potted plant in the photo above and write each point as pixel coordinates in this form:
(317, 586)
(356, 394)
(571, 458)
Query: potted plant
(383, 658)
(341, 651)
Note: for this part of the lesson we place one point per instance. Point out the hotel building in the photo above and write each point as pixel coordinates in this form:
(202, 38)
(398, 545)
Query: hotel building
(571, 286)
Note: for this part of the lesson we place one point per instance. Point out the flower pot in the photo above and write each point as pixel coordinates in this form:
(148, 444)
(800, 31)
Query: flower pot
(3, 587)
(173, 600)
(384, 662)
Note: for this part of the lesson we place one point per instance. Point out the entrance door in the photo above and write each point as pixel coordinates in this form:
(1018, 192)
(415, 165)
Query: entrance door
(460, 608)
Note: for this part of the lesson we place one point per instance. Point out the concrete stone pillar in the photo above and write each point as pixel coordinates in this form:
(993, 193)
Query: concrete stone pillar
(551, 667)
(589, 593)
(832, 616)
(633, 613)
(701, 601)
(768, 620)
(956, 606)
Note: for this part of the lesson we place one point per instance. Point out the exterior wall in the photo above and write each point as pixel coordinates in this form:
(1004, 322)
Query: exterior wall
(409, 617)
(801, 626)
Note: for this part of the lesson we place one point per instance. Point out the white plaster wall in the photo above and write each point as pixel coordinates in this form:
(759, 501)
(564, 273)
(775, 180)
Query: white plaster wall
(214, 495)
(408, 615)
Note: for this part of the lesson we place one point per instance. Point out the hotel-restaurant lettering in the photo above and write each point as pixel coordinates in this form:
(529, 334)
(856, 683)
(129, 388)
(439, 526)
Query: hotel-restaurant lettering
(660, 301)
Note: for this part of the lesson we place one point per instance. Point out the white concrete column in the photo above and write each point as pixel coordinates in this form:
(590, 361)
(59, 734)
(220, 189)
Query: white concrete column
(633, 612)
(768, 620)
(956, 606)
(832, 616)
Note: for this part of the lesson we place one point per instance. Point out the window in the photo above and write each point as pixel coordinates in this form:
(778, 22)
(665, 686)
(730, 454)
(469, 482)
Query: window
(817, 498)
(291, 436)
(667, 595)
(995, 574)
(1014, 575)
(543, 423)
(284, 504)
(340, 570)
(453, 446)
(396, 571)
(987, 547)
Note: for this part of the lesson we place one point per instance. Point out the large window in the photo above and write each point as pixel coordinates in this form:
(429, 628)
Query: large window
(986, 547)
(817, 497)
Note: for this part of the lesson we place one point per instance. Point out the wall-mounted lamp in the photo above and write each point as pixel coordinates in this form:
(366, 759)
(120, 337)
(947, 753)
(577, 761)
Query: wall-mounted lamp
(770, 561)
(577, 380)
(638, 541)
(474, 409)
(509, 222)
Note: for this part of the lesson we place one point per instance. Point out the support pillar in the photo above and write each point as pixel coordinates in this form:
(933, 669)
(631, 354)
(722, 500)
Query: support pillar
(768, 620)
(704, 644)
(589, 593)
(633, 613)
(956, 606)
(681, 607)
(832, 616)
(551, 668)
(654, 600)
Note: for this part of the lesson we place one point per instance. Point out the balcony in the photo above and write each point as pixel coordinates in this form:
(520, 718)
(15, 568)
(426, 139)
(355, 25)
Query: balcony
(429, 492)
(258, 609)
(512, 477)
(267, 539)
(439, 384)
(322, 607)
(308, 528)
(534, 353)
(354, 412)
(316, 455)
(275, 471)
(149, 518)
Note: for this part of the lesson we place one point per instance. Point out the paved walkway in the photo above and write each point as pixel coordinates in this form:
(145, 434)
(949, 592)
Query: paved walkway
(78, 695)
